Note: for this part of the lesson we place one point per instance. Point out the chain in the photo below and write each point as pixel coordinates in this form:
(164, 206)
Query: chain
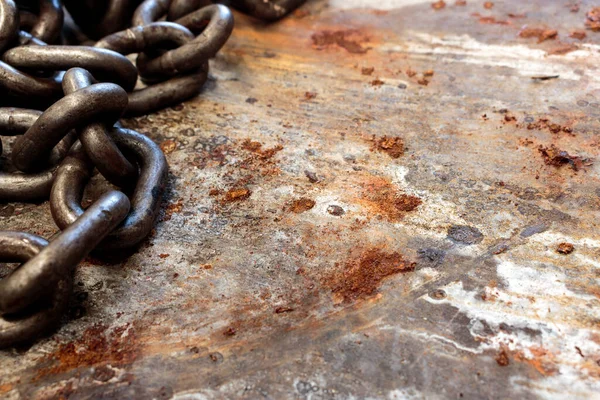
(65, 81)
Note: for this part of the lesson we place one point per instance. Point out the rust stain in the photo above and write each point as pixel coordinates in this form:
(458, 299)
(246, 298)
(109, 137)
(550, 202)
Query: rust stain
(6, 387)
(382, 198)
(502, 358)
(392, 146)
(563, 48)
(542, 34)
(438, 5)
(592, 19)
(565, 248)
(361, 277)
(168, 146)
(555, 157)
(173, 208)
(367, 70)
(96, 346)
(236, 194)
(578, 34)
(301, 205)
(542, 361)
(351, 40)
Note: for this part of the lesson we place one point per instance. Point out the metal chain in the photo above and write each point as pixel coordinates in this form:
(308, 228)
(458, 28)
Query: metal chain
(73, 90)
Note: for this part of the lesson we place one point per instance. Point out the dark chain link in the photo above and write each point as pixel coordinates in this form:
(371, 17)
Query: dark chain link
(75, 89)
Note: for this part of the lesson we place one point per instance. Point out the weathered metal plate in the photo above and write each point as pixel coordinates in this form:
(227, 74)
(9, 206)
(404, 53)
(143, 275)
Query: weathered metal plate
(304, 253)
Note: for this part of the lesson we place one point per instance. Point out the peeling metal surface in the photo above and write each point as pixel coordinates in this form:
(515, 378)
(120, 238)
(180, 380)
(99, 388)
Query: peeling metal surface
(436, 275)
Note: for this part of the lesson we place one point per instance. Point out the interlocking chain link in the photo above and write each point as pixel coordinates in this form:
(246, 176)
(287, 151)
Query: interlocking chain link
(65, 80)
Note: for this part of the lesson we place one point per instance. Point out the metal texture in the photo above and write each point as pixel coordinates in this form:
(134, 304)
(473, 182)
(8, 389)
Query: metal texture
(248, 289)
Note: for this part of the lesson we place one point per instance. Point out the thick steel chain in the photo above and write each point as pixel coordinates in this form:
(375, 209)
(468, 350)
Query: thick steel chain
(74, 90)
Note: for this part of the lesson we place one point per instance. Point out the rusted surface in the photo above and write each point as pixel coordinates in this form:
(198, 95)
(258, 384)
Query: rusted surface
(432, 274)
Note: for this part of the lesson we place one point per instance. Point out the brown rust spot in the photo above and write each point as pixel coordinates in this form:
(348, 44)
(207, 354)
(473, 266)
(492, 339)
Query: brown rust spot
(173, 208)
(301, 205)
(543, 361)
(168, 146)
(5, 388)
(237, 194)
(309, 95)
(351, 40)
(381, 197)
(282, 310)
(95, 347)
(362, 277)
(502, 358)
(488, 5)
(542, 34)
(565, 248)
(377, 82)
(562, 48)
(392, 146)
(592, 19)
(367, 70)
(557, 158)
(438, 5)
(578, 34)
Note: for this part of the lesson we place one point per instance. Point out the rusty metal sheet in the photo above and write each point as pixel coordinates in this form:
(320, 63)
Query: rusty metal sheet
(368, 200)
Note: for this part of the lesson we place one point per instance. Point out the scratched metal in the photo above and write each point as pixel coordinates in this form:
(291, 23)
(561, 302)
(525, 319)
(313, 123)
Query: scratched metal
(301, 255)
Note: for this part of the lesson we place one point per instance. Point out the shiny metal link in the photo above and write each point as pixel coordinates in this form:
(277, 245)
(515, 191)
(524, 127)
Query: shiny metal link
(151, 37)
(39, 276)
(44, 316)
(99, 147)
(103, 102)
(49, 22)
(190, 56)
(9, 23)
(105, 65)
(15, 186)
(145, 202)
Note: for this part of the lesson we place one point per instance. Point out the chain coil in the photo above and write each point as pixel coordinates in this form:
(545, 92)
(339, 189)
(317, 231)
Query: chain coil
(66, 80)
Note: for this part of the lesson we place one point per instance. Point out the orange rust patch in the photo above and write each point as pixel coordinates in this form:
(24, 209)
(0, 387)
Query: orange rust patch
(237, 194)
(309, 95)
(301, 205)
(563, 49)
(168, 146)
(578, 34)
(367, 71)
(438, 5)
(377, 82)
(542, 34)
(542, 361)
(382, 198)
(119, 347)
(392, 146)
(5, 388)
(592, 19)
(362, 277)
(554, 156)
(351, 40)
(173, 208)
(502, 358)
(488, 5)
(565, 248)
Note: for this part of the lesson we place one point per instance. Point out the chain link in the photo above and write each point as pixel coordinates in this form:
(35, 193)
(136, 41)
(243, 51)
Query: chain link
(72, 79)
